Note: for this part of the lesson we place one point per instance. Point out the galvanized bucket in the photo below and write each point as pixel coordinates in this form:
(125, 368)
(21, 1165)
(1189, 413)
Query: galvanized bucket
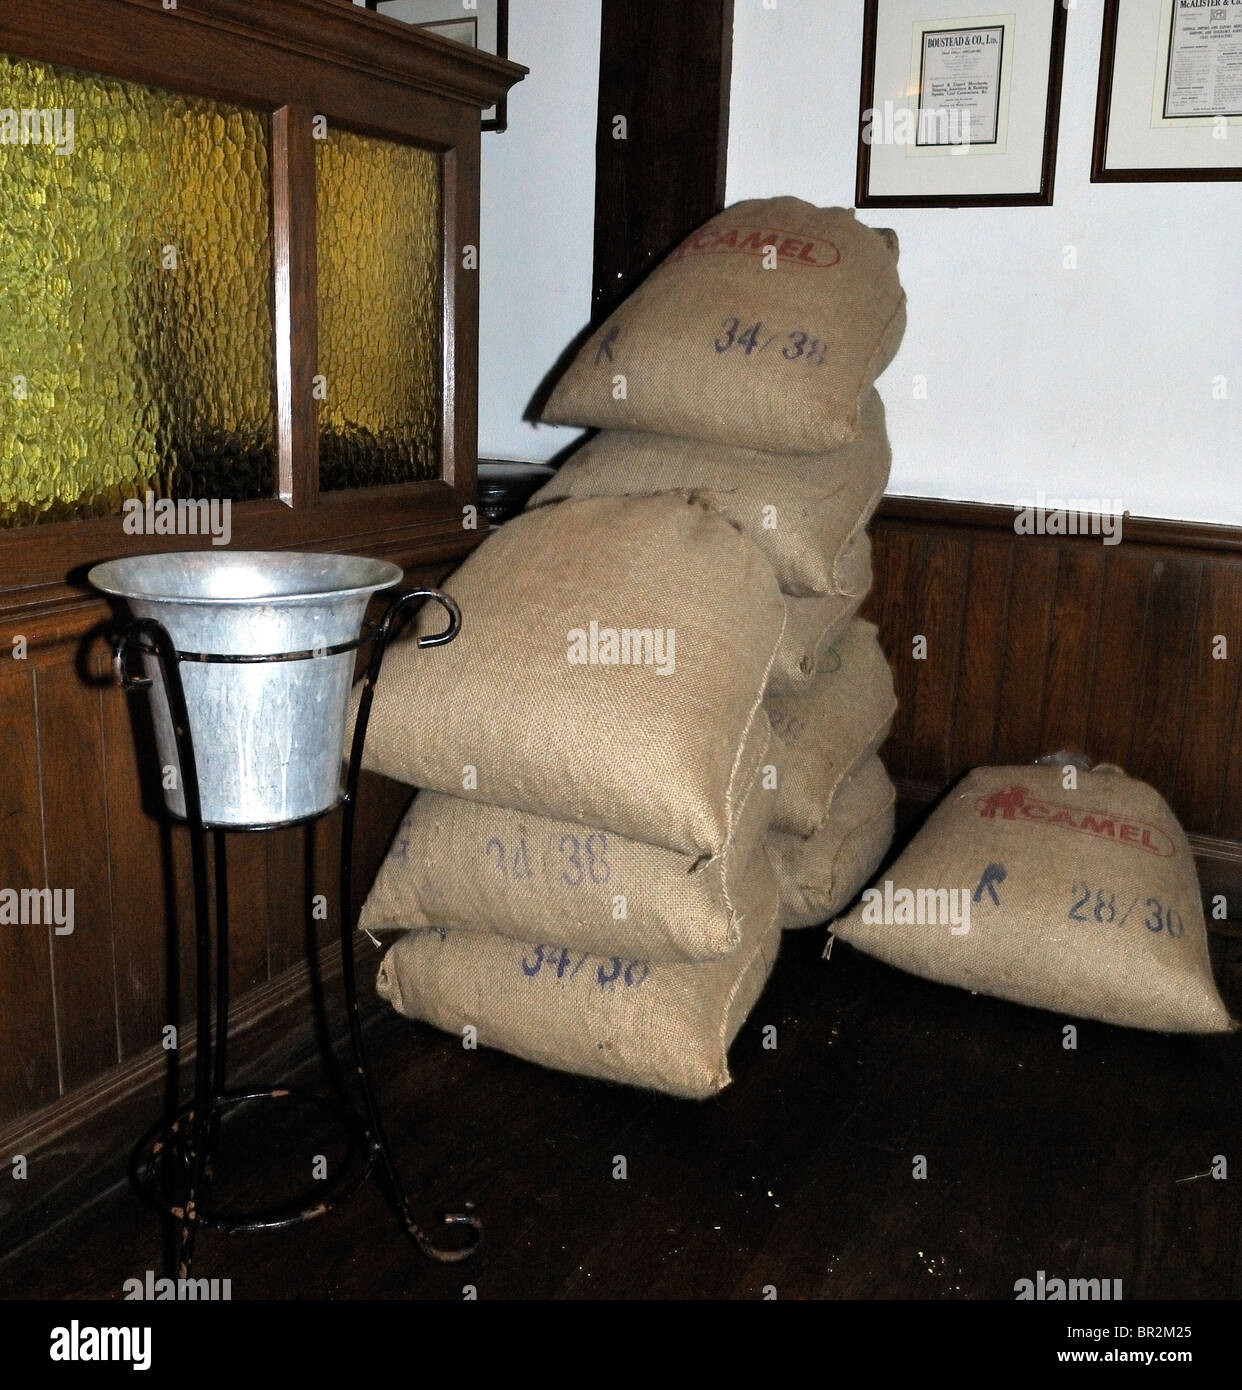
(268, 736)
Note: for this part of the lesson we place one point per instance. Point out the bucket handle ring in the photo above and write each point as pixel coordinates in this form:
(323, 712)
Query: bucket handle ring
(398, 614)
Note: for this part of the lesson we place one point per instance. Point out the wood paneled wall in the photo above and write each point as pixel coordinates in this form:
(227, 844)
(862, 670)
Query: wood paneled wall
(1034, 644)
(1041, 643)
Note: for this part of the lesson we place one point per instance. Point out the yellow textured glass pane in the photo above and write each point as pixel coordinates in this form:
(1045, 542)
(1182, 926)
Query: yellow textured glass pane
(380, 281)
(135, 296)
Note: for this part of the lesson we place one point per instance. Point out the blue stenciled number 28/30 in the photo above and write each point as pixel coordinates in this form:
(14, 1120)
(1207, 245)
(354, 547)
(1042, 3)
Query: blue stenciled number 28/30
(1100, 905)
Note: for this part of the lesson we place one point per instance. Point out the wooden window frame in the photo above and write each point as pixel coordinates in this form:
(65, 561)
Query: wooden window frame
(292, 59)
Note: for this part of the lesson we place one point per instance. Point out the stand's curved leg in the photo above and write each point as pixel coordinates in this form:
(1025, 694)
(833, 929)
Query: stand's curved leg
(466, 1222)
(200, 1119)
(219, 862)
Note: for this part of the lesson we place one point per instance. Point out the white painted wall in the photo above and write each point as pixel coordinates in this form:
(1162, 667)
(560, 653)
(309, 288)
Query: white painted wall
(538, 221)
(1089, 383)
(537, 234)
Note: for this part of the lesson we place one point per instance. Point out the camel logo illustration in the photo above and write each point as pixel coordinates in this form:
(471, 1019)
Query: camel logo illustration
(1004, 803)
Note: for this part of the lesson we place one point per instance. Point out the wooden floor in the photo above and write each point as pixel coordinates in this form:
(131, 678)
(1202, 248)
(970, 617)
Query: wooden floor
(1086, 1164)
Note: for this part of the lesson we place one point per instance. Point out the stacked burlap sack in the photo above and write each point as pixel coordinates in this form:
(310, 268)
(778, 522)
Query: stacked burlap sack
(610, 836)
(777, 425)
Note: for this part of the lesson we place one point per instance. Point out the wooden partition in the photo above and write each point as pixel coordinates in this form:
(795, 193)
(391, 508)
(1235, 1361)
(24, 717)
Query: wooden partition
(84, 1014)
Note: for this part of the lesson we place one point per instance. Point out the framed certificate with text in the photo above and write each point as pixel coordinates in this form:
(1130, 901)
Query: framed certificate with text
(1170, 99)
(959, 107)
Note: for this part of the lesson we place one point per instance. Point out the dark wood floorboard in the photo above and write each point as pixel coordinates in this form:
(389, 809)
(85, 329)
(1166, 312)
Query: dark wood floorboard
(1081, 1163)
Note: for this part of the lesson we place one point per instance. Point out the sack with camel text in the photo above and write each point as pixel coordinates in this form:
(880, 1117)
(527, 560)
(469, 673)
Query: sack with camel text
(764, 329)
(1084, 902)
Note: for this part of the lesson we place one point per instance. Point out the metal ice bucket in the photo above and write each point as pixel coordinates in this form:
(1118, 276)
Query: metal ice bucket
(268, 736)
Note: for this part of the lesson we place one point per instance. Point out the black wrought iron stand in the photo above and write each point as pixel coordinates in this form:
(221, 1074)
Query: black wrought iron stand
(190, 1138)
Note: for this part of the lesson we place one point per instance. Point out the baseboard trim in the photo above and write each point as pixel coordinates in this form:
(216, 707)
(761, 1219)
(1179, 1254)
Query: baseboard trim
(988, 516)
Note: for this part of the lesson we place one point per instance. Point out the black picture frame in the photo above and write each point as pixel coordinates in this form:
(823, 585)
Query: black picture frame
(1100, 172)
(500, 121)
(1042, 197)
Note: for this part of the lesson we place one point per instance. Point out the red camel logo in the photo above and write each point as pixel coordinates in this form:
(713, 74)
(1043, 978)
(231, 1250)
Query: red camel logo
(1007, 803)
(1016, 803)
(793, 247)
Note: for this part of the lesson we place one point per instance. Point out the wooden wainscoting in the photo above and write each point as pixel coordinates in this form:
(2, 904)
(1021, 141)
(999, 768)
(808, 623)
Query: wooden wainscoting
(1042, 643)
(1034, 644)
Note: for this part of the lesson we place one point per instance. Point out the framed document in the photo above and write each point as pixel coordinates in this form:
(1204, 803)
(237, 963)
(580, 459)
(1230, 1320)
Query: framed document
(959, 108)
(483, 24)
(1170, 98)
(960, 74)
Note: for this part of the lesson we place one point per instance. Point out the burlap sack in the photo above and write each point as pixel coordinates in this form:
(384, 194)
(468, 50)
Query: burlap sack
(667, 1027)
(820, 736)
(1083, 902)
(803, 511)
(812, 625)
(472, 867)
(658, 750)
(729, 343)
(819, 876)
